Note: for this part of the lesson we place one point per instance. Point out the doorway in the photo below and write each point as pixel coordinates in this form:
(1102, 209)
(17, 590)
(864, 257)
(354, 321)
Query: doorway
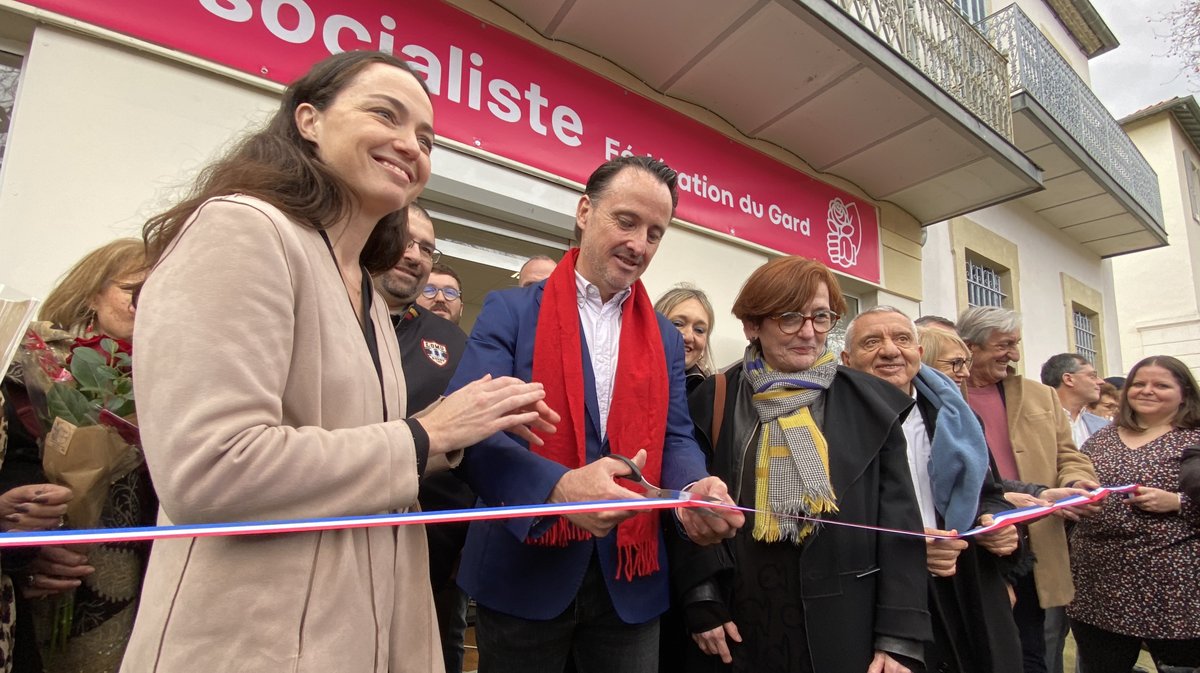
(486, 253)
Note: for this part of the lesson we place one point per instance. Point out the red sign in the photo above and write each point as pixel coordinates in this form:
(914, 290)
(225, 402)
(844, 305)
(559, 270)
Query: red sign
(500, 93)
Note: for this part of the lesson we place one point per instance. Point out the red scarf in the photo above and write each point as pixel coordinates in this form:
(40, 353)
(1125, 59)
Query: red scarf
(637, 417)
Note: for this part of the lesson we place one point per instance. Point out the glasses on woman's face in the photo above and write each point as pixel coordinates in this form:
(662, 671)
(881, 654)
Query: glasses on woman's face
(793, 321)
(448, 292)
(427, 251)
(957, 364)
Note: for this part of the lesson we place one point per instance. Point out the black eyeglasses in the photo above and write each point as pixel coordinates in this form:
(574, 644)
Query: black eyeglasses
(427, 251)
(793, 321)
(449, 293)
(957, 364)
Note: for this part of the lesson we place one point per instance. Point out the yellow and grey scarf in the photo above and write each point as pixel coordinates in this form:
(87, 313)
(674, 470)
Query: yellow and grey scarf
(791, 472)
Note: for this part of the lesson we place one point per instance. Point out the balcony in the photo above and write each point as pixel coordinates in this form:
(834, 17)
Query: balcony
(902, 98)
(1100, 191)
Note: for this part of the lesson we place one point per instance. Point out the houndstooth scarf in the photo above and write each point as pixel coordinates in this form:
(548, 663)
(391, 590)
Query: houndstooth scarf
(791, 471)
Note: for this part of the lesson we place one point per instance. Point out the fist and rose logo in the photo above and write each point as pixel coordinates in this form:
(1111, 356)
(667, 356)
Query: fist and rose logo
(845, 234)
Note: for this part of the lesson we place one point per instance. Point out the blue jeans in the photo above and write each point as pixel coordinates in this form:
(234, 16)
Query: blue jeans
(589, 632)
(1057, 628)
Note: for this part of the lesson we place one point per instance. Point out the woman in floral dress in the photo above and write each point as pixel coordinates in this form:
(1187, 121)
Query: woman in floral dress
(1137, 564)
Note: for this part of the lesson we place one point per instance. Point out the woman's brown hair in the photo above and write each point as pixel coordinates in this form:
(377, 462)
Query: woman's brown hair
(279, 166)
(69, 304)
(1188, 415)
(785, 284)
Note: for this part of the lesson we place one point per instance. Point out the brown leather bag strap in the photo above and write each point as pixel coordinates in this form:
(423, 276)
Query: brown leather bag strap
(718, 408)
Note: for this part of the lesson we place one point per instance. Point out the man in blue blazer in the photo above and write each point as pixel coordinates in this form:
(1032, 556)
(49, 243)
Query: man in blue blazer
(549, 590)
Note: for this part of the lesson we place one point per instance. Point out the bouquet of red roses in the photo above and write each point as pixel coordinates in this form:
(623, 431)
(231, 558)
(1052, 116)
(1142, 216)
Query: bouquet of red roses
(82, 390)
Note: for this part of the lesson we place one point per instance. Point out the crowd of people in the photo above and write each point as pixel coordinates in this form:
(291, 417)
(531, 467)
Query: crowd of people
(298, 355)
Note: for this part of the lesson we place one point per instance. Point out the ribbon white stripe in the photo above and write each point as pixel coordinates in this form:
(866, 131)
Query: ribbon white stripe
(28, 539)
(110, 535)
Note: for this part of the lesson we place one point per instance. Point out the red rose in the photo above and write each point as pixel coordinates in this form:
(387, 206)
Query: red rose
(95, 342)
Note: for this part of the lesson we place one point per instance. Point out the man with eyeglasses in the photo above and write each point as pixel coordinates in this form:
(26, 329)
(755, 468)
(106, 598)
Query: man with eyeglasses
(1078, 385)
(430, 348)
(442, 294)
(948, 461)
(1031, 442)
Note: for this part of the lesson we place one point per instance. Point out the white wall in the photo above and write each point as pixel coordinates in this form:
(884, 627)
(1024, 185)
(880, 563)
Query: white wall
(713, 266)
(1047, 21)
(1044, 253)
(940, 273)
(1158, 291)
(100, 139)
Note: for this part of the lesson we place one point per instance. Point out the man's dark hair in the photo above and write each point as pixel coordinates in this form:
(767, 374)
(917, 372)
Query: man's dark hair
(602, 177)
(446, 270)
(415, 205)
(927, 320)
(1060, 365)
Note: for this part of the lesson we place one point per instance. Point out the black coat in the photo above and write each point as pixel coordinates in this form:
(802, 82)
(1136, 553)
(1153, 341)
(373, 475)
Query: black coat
(971, 610)
(861, 591)
(1189, 473)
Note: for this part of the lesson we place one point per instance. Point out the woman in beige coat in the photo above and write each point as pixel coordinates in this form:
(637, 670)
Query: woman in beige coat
(269, 387)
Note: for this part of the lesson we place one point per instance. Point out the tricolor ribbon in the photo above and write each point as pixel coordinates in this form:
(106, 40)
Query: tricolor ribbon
(999, 520)
(93, 536)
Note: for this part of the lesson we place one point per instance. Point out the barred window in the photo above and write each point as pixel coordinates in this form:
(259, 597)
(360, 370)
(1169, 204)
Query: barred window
(984, 285)
(1086, 343)
(10, 70)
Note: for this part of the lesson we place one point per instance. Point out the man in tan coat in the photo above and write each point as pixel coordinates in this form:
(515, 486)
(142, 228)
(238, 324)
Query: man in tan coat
(1030, 441)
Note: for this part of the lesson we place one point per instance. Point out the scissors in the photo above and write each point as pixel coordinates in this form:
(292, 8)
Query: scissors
(651, 491)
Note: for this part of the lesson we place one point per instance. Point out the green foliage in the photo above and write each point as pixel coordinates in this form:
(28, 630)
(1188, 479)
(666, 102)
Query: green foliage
(102, 380)
(67, 403)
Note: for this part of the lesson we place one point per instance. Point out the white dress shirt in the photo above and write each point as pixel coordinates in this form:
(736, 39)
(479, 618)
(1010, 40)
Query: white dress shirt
(920, 451)
(1079, 429)
(602, 330)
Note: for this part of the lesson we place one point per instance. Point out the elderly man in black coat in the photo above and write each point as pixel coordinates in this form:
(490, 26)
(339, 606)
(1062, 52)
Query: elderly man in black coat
(974, 631)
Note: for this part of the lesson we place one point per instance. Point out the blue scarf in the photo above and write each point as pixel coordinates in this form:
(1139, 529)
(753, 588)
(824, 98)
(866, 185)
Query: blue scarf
(959, 456)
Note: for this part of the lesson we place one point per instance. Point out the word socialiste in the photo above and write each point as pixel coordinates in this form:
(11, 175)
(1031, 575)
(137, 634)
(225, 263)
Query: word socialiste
(506, 101)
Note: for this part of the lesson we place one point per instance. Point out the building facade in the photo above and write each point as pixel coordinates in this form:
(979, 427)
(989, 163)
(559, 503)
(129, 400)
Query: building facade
(818, 128)
(876, 140)
(1158, 291)
(1043, 254)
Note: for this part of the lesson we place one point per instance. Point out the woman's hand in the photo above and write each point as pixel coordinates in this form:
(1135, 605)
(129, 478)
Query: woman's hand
(1155, 500)
(713, 642)
(34, 507)
(715, 524)
(1020, 500)
(484, 407)
(884, 663)
(1002, 541)
(55, 570)
(1073, 513)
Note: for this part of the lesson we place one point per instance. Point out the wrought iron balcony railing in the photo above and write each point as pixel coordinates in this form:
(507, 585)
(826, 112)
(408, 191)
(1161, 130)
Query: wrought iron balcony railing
(939, 41)
(1037, 68)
